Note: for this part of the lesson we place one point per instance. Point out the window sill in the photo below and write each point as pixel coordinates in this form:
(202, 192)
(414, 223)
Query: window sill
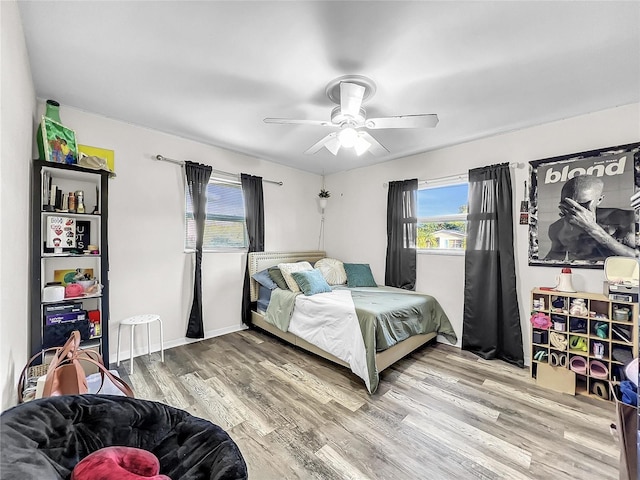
(442, 251)
(218, 250)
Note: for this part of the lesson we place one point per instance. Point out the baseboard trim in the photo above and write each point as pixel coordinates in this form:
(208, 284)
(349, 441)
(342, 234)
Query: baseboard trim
(155, 347)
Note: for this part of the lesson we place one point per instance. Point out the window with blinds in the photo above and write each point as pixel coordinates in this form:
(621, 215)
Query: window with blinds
(224, 227)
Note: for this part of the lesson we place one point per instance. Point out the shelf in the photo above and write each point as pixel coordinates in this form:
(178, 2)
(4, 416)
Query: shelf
(92, 342)
(72, 172)
(622, 343)
(66, 255)
(622, 322)
(72, 299)
(72, 215)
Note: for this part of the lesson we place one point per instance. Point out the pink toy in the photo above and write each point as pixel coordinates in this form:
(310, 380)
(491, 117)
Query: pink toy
(73, 290)
(540, 320)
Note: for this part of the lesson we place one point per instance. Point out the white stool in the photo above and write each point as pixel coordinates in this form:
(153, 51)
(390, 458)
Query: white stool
(139, 320)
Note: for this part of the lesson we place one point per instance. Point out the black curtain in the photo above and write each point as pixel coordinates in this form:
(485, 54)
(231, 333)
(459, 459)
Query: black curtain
(254, 214)
(491, 326)
(197, 176)
(402, 224)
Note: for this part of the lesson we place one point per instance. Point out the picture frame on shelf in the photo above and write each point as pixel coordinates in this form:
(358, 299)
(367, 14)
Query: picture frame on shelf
(60, 145)
(579, 202)
(104, 158)
(67, 276)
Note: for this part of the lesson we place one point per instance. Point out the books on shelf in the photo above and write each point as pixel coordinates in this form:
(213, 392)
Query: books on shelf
(61, 308)
(65, 317)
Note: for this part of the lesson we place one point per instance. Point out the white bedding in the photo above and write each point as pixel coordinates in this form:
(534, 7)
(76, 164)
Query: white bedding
(329, 321)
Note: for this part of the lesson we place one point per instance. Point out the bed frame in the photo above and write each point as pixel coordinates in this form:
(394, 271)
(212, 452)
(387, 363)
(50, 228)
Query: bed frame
(258, 261)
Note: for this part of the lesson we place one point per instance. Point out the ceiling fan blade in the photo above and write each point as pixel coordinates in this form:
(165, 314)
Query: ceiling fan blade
(321, 143)
(428, 120)
(376, 147)
(292, 121)
(351, 98)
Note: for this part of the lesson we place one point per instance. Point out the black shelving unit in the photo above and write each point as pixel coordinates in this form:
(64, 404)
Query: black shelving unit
(95, 185)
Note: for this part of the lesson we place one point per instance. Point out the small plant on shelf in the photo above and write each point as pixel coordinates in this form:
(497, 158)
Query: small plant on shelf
(324, 193)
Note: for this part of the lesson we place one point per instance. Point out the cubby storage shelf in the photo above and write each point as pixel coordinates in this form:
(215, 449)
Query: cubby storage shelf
(595, 316)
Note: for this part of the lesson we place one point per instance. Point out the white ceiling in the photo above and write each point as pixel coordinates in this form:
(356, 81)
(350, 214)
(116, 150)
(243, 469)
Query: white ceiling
(211, 71)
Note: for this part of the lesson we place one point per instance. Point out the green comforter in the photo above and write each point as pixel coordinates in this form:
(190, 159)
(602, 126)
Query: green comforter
(387, 315)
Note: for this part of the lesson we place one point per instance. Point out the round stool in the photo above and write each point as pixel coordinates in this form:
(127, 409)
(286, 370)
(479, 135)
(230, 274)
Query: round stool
(139, 320)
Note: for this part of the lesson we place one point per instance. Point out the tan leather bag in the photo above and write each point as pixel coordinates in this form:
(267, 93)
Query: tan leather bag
(65, 375)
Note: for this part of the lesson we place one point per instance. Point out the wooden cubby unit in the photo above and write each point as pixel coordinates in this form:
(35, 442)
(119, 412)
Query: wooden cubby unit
(594, 333)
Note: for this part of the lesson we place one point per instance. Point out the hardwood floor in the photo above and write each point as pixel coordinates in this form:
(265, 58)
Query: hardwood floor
(439, 413)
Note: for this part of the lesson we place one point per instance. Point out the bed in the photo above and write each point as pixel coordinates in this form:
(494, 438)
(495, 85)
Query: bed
(377, 358)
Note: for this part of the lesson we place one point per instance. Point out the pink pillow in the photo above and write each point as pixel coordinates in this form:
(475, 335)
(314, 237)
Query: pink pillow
(118, 463)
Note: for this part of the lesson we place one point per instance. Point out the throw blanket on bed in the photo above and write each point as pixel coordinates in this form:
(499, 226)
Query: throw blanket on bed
(386, 316)
(329, 321)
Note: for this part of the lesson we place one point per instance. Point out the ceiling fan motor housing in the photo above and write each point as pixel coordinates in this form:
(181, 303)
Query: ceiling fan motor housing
(333, 88)
(338, 118)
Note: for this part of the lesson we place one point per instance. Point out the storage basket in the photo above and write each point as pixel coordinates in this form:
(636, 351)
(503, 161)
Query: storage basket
(31, 380)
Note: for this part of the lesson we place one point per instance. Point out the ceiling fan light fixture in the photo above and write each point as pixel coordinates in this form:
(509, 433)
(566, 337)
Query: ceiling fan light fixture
(333, 145)
(347, 137)
(361, 145)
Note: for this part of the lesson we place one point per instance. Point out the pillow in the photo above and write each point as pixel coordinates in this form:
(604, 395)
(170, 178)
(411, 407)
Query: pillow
(332, 270)
(264, 279)
(359, 275)
(311, 282)
(288, 268)
(122, 463)
(276, 276)
(264, 297)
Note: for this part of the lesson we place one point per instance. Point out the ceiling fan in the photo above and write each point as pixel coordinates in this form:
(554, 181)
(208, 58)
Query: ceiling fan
(350, 92)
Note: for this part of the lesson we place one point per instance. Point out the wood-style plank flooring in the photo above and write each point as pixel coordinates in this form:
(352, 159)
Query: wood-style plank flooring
(439, 413)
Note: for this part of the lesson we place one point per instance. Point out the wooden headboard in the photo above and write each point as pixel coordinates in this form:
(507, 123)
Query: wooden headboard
(258, 261)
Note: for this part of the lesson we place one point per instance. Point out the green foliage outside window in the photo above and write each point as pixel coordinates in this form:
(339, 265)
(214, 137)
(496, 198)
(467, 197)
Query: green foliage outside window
(427, 239)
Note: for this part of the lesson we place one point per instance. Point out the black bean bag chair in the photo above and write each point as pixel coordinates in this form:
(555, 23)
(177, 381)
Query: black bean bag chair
(44, 439)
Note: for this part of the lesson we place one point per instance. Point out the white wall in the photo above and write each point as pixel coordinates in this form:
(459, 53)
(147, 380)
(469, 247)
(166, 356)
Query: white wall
(17, 110)
(149, 271)
(356, 218)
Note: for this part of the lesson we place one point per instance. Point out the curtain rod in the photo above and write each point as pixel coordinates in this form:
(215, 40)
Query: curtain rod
(219, 172)
(460, 176)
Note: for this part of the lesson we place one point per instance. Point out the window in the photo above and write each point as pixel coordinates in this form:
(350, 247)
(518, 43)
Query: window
(224, 226)
(442, 217)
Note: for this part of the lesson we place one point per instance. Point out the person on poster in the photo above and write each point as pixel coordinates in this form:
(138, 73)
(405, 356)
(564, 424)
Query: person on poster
(586, 232)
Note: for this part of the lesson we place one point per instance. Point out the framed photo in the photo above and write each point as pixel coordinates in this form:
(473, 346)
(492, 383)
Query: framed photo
(580, 207)
(59, 142)
(65, 277)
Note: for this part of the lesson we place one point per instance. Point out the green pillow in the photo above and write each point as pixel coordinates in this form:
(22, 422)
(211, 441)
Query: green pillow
(311, 282)
(276, 276)
(359, 275)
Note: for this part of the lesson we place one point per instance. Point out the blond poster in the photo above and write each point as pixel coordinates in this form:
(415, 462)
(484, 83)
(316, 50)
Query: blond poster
(580, 211)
